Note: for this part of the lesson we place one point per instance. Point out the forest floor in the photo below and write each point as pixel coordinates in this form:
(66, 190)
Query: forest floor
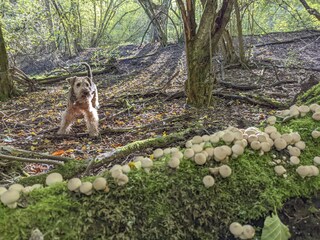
(144, 98)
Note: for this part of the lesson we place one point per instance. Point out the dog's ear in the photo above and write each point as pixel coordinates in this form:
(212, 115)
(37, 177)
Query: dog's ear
(71, 80)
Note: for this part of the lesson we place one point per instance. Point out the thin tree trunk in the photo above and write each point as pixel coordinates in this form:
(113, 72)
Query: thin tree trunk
(240, 35)
(310, 10)
(7, 89)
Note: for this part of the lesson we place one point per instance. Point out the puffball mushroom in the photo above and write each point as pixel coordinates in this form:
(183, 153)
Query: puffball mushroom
(205, 138)
(53, 178)
(294, 111)
(147, 164)
(275, 135)
(188, 153)
(168, 150)
(18, 187)
(200, 158)
(158, 153)
(280, 144)
(314, 171)
(255, 145)
(295, 137)
(252, 138)
(209, 151)
(197, 148)
(74, 184)
(248, 232)
(219, 154)
(301, 145)
(314, 106)
(2, 190)
(271, 120)
(287, 137)
(294, 160)
(178, 155)
(294, 151)
(303, 171)
(188, 144)
(126, 168)
(316, 116)
(265, 147)
(228, 137)
(208, 181)
(214, 171)
(174, 162)
(122, 180)
(316, 161)
(225, 171)
(196, 140)
(237, 150)
(270, 129)
(36, 186)
(86, 188)
(99, 184)
(315, 134)
(303, 109)
(280, 170)
(214, 138)
(236, 229)
(10, 198)
(27, 190)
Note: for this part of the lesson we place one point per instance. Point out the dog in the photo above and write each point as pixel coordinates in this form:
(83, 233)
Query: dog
(82, 102)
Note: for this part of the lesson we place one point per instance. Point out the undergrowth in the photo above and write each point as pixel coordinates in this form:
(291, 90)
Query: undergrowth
(167, 204)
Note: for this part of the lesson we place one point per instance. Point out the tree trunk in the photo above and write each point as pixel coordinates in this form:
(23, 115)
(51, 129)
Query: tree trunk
(6, 84)
(240, 35)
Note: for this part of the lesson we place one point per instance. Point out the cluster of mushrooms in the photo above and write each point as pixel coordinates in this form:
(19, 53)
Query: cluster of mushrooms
(219, 147)
(242, 232)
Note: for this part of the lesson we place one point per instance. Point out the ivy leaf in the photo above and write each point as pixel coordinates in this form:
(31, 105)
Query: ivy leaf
(274, 229)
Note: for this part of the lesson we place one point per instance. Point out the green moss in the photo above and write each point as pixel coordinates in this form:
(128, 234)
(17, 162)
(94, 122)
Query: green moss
(311, 96)
(166, 204)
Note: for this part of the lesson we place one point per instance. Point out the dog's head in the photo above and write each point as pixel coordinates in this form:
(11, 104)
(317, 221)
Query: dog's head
(81, 88)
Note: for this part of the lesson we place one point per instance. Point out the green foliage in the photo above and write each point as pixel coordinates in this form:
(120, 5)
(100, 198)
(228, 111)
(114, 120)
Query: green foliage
(311, 96)
(274, 229)
(166, 203)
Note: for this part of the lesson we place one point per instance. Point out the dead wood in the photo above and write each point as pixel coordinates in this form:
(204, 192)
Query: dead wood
(288, 40)
(31, 160)
(19, 76)
(138, 146)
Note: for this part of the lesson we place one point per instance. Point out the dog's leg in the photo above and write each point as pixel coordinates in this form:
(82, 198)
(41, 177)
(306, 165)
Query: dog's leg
(92, 122)
(67, 120)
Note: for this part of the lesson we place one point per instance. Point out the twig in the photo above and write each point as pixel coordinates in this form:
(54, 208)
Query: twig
(20, 159)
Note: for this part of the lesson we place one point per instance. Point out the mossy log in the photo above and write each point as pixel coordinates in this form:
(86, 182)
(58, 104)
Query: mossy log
(310, 96)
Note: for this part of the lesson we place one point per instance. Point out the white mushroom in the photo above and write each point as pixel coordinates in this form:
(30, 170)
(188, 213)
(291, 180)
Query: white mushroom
(117, 171)
(280, 170)
(197, 148)
(294, 160)
(126, 168)
(303, 171)
(295, 137)
(53, 178)
(197, 140)
(10, 198)
(74, 184)
(214, 138)
(294, 111)
(315, 134)
(205, 138)
(252, 138)
(2, 190)
(168, 150)
(147, 164)
(255, 145)
(228, 137)
(18, 187)
(214, 171)
(294, 151)
(188, 144)
(200, 158)
(236, 229)
(227, 149)
(271, 120)
(99, 184)
(188, 153)
(225, 171)
(208, 181)
(174, 163)
(301, 145)
(314, 171)
(275, 135)
(158, 153)
(313, 107)
(248, 232)
(280, 144)
(237, 150)
(122, 180)
(209, 151)
(178, 155)
(316, 161)
(265, 147)
(86, 188)
(36, 186)
(316, 116)
(270, 129)
(287, 137)
(219, 154)
(303, 109)
(27, 190)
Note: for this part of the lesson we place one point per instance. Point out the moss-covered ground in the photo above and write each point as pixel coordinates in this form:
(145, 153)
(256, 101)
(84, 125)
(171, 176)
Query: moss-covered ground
(167, 204)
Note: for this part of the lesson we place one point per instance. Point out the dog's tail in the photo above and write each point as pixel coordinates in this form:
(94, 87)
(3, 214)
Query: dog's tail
(88, 69)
